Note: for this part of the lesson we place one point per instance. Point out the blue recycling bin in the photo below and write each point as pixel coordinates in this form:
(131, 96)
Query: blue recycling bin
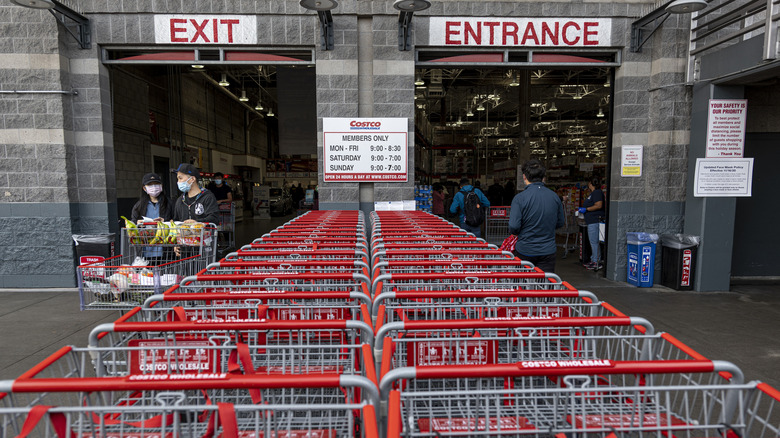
(641, 258)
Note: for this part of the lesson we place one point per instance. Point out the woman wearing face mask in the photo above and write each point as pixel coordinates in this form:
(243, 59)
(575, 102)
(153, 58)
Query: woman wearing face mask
(152, 203)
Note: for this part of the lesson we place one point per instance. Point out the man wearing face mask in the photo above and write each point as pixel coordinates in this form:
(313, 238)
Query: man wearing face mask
(220, 189)
(195, 204)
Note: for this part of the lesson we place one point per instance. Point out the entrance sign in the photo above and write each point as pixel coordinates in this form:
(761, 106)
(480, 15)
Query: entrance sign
(631, 161)
(365, 149)
(520, 32)
(205, 29)
(723, 177)
(726, 128)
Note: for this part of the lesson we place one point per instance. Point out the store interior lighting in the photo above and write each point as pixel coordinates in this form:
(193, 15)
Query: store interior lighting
(480, 107)
(469, 113)
(419, 81)
(600, 113)
(243, 97)
(198, 66)
(224, 82)
(259, 106)
(270, 112)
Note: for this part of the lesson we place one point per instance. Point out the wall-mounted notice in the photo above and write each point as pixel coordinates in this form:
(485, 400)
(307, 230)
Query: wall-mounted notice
(631, 161)
(365, 149)
(726, 128)
(723, 177)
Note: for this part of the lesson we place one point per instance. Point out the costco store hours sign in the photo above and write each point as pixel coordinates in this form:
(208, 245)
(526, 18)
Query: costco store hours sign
(365, 149)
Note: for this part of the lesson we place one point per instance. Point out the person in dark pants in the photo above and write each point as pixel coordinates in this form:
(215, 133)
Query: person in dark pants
(535, 214)
(593, 209)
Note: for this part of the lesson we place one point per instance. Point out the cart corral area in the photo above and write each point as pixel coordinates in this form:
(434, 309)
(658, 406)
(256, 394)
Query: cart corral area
(354, 329)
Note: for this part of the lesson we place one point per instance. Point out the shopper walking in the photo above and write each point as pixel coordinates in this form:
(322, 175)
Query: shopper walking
(593, 209)
(535, 214)
(471, 215)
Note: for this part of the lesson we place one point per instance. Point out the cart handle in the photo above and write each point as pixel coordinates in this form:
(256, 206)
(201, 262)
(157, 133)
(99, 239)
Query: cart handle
(553, 368)
(257, 295)
(469, 277)
(274, 276)
(532, 322)
(484, 293)
(174, 382)
(366, 333)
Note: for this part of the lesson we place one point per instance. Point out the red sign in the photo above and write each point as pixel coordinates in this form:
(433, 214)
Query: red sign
(158, 356)
(461, 352)
(685, 278)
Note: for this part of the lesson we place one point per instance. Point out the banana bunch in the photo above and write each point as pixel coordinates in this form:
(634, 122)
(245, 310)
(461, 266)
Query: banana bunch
(173, 233)
(161, 235)
(132, 230)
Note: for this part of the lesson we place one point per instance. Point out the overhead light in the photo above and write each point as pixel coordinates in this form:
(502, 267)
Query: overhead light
(37, 4)
(319, 5)
(587, 155)
(411, 5)
(514, 82)
(577, 95)
(563, 154)
(224, 82)
(243, 97)
(469, 113)
(198, 66)
(259, 106)
(686, 6)
(607, 84)
(270, 112)
(480, 108)
(419, 80)
(601, 113)
(553, 108)
(555, 156)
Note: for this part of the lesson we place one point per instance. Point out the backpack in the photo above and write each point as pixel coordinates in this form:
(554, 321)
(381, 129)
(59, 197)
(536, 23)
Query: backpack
(472, 208)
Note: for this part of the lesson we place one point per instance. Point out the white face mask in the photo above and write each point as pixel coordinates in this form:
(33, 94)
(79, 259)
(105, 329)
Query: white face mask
(153, 190)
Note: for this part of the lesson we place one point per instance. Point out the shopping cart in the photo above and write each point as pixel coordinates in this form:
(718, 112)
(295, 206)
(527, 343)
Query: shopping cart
(466, 280)
(227, 226)
(509, 304)
(259, 346)
(283, 266)
(502, 340)
(123, 282)
(446, 266)
(678, 398)
(188, 405)
(570, 231)
(287, 254)
(443, 255)
(497, 225)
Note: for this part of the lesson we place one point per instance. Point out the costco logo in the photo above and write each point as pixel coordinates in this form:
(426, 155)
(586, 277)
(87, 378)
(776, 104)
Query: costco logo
(354, 124)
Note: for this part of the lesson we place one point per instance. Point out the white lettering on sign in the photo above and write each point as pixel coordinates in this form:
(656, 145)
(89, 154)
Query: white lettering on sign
(205, 29)
(566, 363)
(365, 149)
(520, 32)
(726, 124)
(685, 279)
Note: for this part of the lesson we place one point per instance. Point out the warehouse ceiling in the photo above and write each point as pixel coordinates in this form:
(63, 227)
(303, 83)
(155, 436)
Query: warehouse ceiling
(560, 109)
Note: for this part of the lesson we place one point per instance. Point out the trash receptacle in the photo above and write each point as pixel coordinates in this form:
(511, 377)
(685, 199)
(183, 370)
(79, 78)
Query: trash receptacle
(678, 260)
(93, 248)
(641, 258)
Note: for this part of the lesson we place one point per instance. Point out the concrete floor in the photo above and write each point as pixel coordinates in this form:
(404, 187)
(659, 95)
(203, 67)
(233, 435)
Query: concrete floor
(741, 326)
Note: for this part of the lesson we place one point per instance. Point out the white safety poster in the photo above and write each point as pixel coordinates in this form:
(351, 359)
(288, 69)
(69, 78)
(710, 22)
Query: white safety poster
(726, 128)
(365, 149)
(631, 161)
(723, 177)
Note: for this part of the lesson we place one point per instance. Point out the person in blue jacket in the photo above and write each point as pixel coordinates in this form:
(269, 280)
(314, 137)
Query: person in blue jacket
(458, 204)
(535, 214)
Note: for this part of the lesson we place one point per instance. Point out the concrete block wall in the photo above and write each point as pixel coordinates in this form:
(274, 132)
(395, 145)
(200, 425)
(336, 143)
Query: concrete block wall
(652, 108)
(132, 152)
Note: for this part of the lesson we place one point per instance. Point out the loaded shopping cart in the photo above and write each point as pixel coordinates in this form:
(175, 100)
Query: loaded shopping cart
(122, 282)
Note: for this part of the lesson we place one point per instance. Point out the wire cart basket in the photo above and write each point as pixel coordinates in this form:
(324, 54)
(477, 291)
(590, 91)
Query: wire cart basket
(497, 225)
(227, 226)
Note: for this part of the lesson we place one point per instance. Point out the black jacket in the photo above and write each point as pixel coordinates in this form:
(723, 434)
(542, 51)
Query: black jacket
(202, 208)
(139, 210)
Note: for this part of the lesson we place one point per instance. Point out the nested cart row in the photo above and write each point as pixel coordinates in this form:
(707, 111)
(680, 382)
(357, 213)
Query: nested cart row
(421, 330)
